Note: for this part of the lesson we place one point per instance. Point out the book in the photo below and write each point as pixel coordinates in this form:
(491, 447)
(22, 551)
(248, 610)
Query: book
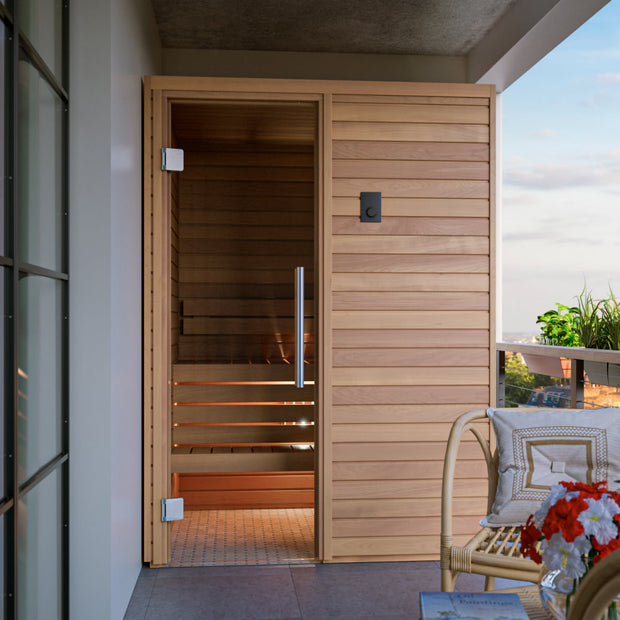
(471, 606)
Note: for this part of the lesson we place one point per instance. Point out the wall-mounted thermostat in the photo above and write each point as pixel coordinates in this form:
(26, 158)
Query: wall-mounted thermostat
(370, 206)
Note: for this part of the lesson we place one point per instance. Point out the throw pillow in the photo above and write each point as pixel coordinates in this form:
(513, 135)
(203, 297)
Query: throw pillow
(538, 448)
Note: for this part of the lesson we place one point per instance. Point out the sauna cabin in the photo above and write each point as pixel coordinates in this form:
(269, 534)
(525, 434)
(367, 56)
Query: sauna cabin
(398, 313)
(243, 218)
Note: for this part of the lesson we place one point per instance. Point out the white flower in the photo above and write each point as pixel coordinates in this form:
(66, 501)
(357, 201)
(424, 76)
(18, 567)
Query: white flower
(567, 557)
(598, 519)
(557, 492)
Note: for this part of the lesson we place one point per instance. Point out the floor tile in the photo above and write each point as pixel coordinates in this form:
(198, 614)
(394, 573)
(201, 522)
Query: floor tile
(206, 572)
(329, 593)
(373, 567)
(475, 583)
(260, 597)
(409, 616)
(237, 537)
(468, 582)
(141, 596)
(355, 591)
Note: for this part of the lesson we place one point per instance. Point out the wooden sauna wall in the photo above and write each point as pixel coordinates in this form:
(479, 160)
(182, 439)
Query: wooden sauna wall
(257, 462)
(247, 220)
(411, 299)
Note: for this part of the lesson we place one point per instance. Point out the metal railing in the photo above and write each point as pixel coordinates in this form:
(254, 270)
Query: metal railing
(580, 360)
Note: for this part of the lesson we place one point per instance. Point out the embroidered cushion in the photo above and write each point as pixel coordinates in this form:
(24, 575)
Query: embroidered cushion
(538, 448)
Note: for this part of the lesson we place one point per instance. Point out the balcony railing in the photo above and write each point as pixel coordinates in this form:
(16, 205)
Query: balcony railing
(578, 367)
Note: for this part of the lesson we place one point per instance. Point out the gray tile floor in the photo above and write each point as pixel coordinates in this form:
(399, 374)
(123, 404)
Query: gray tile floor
(243, 537)
(285, 592)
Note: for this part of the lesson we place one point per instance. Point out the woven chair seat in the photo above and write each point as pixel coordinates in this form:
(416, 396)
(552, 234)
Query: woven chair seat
(493, 551)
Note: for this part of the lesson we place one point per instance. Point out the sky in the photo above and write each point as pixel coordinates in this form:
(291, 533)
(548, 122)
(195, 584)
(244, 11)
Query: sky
(561, 175)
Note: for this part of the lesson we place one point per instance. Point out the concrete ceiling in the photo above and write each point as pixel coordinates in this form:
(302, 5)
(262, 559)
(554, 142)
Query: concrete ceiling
(425, 27)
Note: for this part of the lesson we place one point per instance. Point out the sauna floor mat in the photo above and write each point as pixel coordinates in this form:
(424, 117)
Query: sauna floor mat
(243, 537)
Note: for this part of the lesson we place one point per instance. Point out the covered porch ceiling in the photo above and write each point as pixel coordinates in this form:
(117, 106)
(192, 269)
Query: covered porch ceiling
(497, 40)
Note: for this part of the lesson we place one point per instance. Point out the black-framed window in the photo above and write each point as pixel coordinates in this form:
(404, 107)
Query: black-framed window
(34, 438)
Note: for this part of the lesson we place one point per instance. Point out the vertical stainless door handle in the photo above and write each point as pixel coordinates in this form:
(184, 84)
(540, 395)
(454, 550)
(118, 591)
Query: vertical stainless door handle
(299, 327)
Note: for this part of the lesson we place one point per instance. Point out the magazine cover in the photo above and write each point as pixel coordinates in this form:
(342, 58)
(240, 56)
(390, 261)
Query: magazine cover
(471, 606)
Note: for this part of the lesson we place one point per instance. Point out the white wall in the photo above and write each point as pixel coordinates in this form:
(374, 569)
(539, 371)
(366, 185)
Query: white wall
(135, 53)
(314, 66)
(113, 44)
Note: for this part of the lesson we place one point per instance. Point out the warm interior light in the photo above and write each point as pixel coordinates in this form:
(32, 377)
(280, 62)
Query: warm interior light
(239, 382)
(261, 402)
(244, 424)
(300, 446)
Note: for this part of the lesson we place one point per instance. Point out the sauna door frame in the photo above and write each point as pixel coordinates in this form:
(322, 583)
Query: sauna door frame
(159, 95)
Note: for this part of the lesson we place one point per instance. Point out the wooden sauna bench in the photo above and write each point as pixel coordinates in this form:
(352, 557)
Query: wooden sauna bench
(242, 436)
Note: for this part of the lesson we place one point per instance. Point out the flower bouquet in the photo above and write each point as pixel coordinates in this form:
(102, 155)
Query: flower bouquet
(578, 527)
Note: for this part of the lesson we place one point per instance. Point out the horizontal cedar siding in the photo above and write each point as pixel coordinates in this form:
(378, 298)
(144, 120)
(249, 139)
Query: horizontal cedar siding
(246, 221)
(411, 301)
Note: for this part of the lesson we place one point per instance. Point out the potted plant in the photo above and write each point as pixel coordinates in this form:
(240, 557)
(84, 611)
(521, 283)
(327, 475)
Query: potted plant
(558, 328)
(594, 324)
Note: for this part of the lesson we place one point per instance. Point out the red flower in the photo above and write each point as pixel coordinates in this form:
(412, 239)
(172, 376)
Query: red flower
(530, 534)
(604, 550)
(562, 517)
(594, 490)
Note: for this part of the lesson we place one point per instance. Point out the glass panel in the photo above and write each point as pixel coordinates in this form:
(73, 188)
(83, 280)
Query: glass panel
(41, 22)
(40, 373)
(3, 536)
(39, 171)
(39, 550)
(3, 412)
(2, 142)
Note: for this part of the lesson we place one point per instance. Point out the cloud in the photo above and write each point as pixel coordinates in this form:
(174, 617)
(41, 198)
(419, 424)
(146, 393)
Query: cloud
(601, 171)
(518, 237)
(597, 100)
(545, 133)
(608, 77)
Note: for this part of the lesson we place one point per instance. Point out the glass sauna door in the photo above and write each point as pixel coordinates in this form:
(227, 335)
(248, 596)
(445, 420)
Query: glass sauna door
(243, 220)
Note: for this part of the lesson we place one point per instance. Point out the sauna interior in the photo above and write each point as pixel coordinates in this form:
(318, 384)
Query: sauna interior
(243, 219)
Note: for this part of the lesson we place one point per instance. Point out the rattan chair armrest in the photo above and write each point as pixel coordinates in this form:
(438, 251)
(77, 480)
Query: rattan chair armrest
(461, 425)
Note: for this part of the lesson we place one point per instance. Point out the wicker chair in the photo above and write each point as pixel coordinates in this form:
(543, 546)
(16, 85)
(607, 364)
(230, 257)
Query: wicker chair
(598, 588)
(493, 551)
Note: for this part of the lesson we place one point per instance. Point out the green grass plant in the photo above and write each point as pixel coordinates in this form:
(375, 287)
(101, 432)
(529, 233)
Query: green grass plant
(610, 320)
(588, 321)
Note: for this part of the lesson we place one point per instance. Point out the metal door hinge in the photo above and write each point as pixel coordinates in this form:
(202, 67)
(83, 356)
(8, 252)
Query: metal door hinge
(172, 160)
(172, 509)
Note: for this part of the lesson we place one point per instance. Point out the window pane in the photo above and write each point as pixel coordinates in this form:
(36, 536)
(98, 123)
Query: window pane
(39, 171)
(2, 142)
(41, 22)
(40, 373)
(39, 555)
(3, 411)
(3, 534)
